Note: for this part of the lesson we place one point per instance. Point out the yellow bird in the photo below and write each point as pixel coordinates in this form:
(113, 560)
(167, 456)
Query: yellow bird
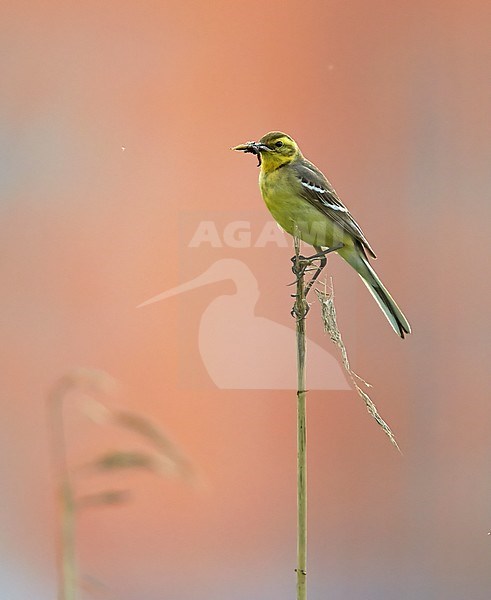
(301, 199)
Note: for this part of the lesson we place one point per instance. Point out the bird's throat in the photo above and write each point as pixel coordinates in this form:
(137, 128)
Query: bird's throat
(271, 162)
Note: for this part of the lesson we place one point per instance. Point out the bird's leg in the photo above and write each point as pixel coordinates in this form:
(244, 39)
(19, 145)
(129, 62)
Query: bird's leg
(300, 267)
(321, 256)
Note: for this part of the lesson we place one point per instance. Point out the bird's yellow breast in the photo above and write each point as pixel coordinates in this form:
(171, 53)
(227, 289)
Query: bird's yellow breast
(281, 193)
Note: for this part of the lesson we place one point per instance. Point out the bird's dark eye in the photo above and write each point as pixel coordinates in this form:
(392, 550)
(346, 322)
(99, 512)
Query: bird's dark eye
(279, 144)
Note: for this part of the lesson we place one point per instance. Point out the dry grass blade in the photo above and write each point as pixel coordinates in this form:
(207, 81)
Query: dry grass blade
(329, 320)
(123, 459)
(95, 410)
(149, 431)
(108, 498)
(88, 380)
(328, 313)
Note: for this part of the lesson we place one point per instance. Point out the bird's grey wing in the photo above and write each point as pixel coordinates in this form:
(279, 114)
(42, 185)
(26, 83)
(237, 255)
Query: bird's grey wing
(317, 190)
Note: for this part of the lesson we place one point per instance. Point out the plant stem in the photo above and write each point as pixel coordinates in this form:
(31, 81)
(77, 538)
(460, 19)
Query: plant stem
(67, 535)
(300, 312)
(67, 565)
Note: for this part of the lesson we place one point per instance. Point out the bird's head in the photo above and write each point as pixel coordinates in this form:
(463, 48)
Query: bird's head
(273, 150)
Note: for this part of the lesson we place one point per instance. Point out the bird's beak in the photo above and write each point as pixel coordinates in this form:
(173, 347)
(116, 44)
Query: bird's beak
(254, 148)
(247, 147)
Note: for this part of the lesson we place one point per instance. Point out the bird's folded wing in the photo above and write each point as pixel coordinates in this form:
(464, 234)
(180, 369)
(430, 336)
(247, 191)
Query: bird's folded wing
(317, 190)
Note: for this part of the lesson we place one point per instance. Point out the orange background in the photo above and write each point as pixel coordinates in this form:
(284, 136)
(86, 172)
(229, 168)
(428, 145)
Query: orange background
(391, 100)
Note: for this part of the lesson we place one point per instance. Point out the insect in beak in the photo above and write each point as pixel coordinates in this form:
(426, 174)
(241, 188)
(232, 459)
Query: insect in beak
(254, 148)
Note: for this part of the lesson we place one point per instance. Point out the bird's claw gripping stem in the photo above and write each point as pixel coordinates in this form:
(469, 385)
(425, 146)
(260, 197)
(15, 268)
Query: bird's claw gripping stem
(299, 312)
(301, 264)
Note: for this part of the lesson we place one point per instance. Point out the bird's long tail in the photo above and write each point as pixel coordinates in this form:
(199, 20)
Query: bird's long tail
(390, 309)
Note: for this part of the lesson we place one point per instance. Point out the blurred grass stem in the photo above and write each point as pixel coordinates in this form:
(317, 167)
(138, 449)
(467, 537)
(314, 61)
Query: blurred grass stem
(67, 558)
